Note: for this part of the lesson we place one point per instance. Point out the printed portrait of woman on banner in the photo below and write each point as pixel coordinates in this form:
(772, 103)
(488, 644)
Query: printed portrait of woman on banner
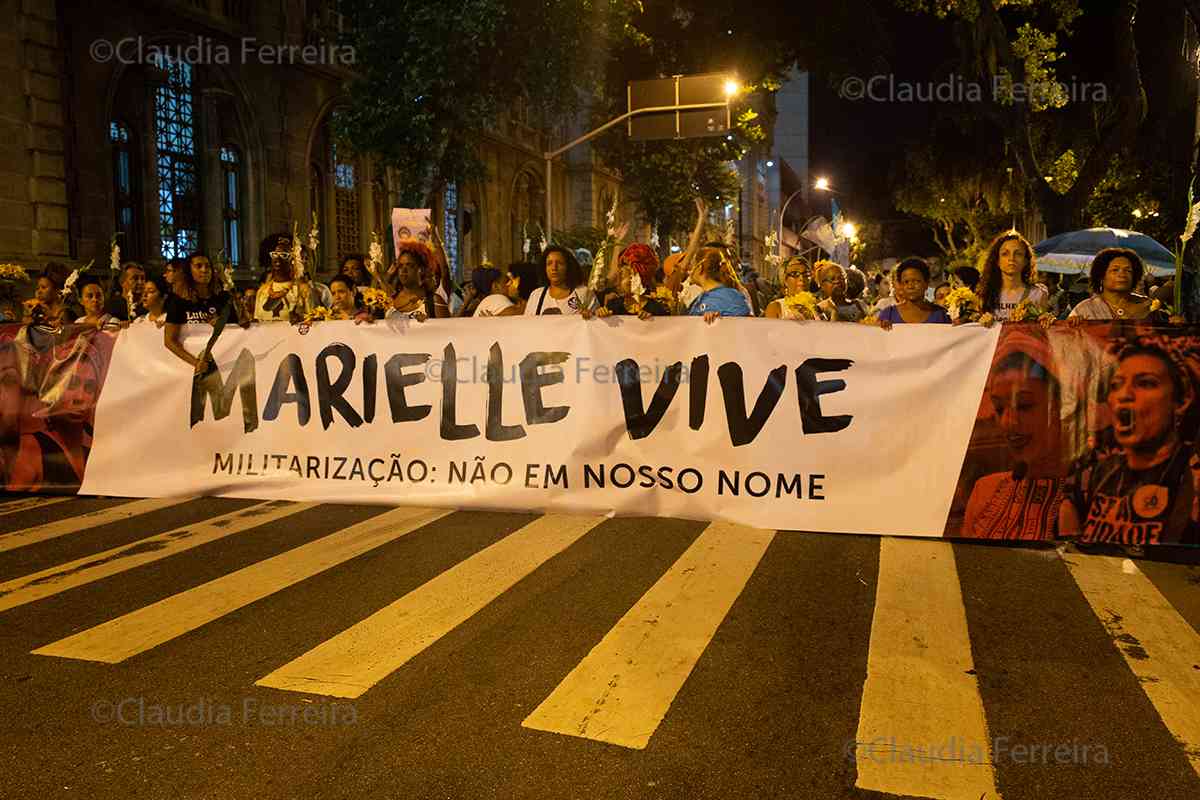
(1019, 435)
(49, 385)
(1139, 486)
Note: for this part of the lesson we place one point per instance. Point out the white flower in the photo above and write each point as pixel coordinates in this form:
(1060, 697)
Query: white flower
(376, 253)
(297, 253)
(525, 248)
(1193, 219)
(114, 259)
(69, 284)
(314, 235)
(635, 285)
(654, 239)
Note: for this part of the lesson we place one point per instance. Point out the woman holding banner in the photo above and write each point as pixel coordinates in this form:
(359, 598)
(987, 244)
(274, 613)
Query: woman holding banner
(636, 292)
(1009, 282)
(912, 281)
(283, 296)
(1115, 271)
(413, 295)
(564, 288)
(197, 298)
(796, 278)
(1147, 492)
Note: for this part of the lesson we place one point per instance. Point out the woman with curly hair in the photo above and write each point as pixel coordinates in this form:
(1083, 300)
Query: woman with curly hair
(1009, 279)
(411, 271)
(47, 306)
(564, 288)
(1145, 492)
(1115, 272)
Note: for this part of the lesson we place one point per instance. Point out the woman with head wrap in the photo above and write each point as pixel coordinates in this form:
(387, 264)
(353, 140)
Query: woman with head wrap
(1024, 398)
(636, 291)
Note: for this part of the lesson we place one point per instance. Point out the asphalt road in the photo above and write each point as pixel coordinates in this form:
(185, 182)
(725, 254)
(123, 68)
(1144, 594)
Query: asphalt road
(771, 707)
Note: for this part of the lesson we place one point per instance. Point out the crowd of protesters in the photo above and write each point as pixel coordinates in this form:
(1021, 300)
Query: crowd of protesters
(700, 281)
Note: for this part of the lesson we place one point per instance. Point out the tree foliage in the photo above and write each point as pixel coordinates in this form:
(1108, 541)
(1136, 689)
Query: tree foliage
(433, 76)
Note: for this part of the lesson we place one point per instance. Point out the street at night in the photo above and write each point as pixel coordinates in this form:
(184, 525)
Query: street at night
(521, 656)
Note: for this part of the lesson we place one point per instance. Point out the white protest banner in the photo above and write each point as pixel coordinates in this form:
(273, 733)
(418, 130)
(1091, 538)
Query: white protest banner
(810, 426)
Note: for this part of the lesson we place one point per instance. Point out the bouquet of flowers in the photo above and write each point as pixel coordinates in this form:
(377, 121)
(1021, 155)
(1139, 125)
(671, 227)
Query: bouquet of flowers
(803, 303)
(963, 304)
(1189, 230)
(870, 319)
(375, 299)
(1025, 312)
(13, 273)
(317, 314)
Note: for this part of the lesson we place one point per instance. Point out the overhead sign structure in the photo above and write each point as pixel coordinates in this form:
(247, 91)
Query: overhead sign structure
(680, 91)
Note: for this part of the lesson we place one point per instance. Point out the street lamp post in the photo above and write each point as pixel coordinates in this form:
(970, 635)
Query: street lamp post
(782, 213)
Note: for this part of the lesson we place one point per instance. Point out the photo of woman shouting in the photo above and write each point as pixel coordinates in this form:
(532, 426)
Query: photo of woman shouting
(1146, 492)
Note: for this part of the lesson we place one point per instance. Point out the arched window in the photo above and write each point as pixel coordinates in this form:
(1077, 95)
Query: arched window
(231, 203)
(126, 191)
(451, 237)
(346, 206)
(528, 207)
(175, 145)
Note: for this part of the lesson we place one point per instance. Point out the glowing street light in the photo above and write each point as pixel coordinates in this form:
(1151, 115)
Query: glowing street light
(822, 185)
(731, 88)
(849, 230)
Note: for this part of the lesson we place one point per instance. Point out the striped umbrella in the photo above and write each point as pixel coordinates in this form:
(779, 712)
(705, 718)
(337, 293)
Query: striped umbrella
(1073, 252)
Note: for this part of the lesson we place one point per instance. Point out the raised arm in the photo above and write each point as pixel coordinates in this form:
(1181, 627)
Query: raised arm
(684, 267)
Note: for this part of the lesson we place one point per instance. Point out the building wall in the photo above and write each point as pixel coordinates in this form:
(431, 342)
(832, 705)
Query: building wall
(57, 163)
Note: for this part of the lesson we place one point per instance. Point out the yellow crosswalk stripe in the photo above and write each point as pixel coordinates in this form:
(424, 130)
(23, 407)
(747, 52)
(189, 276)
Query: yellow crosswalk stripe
(356, 659)
(148, 627)
(92, 519)
(1158, 644)
(921, 726)
(47, 582)
(621, 691)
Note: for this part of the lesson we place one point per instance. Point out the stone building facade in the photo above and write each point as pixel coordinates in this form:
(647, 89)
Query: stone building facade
(205, 124)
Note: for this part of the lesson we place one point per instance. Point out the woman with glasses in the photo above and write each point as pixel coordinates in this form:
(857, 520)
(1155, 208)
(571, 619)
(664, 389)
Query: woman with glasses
(797, 278)
(834, 305)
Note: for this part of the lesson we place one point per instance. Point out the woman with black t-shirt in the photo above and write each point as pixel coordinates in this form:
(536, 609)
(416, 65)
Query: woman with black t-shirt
(196, 298)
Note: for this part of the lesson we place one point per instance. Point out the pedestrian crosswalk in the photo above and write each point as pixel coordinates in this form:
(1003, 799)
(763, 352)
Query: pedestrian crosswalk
(920, 684)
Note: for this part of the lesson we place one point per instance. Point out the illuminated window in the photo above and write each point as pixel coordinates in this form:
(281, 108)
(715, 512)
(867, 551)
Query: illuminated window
(231, 211)
(450, 202)
(126, 192)
(175, 144)
(346, 206)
